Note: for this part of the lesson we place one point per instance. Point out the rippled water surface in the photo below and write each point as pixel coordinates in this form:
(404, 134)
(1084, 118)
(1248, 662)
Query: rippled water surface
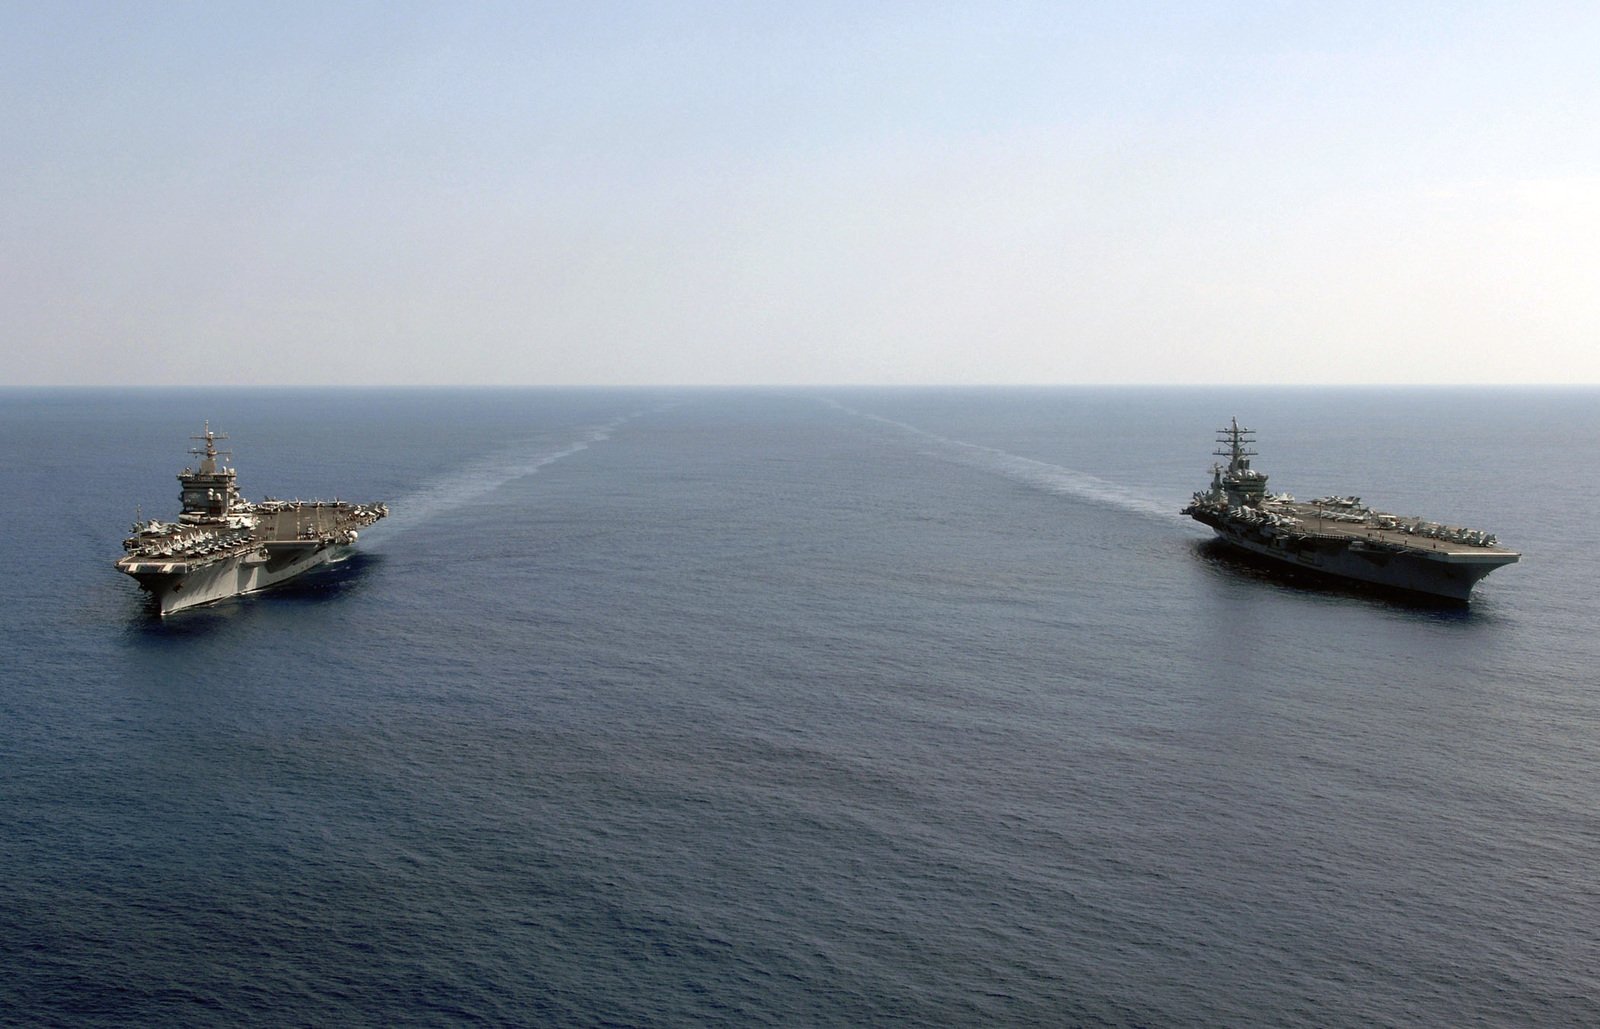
(799, 707)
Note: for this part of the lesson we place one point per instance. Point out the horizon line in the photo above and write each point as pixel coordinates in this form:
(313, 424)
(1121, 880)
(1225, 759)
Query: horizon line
(146, 386)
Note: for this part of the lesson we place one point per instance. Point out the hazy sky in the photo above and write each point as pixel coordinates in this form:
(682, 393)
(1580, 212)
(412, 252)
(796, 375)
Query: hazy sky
(799, 192)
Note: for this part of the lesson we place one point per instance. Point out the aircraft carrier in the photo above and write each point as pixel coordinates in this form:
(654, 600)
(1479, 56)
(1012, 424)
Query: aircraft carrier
(222, 545)
(1339, 537)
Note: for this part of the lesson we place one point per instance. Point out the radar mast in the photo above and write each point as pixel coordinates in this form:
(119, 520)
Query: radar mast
(1243, 485)
(208, 456)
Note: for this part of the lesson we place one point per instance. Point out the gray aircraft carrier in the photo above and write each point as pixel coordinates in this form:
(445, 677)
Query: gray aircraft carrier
(1339, 537)
(222, 545)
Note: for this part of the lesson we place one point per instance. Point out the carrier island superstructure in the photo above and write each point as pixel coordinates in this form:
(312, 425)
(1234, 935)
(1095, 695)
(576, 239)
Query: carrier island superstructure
(1340, 537)
(222, 545)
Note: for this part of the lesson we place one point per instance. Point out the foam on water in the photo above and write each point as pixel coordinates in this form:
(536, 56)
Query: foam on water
(1040, 475)
(492, 471)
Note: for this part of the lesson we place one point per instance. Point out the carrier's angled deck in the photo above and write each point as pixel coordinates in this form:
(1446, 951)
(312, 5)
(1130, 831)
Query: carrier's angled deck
(222, 545)
(1339, 536)
(1376, 527)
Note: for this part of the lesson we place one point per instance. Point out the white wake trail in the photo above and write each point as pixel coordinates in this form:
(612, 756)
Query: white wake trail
(488, 473)
(1039, 474)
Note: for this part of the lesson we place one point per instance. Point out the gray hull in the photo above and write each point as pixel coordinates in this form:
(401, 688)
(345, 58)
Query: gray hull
(183, 587)
(1444, 575)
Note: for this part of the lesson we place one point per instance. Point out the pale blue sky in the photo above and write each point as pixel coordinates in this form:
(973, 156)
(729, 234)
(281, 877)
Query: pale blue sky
(800, 193)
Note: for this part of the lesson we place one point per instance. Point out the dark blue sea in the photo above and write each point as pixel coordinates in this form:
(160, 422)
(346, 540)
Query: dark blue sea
(799, 707)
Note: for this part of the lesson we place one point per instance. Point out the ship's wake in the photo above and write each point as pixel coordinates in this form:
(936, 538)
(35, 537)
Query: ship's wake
(488, 473)
(1040, 475)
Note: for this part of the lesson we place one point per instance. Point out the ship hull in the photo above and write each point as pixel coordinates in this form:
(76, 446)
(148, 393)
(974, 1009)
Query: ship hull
(186, 587)
(1436, 576)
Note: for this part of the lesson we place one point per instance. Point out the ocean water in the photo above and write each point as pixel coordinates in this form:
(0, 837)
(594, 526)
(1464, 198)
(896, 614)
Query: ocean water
(799, 707)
